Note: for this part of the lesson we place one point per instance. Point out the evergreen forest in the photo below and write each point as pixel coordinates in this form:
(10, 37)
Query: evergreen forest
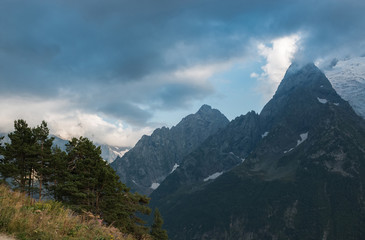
(78, 178)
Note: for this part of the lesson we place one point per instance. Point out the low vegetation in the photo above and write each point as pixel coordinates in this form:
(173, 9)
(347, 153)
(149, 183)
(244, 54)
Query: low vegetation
(25, 218)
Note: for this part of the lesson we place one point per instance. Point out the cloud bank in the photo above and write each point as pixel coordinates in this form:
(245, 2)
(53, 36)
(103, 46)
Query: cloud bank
(121, 61)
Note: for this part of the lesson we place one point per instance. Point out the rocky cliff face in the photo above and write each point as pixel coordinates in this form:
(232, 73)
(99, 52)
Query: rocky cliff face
(154, 157)
(302, 177)
(218, 154)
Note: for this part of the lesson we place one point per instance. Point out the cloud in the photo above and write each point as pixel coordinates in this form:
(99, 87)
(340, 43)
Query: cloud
(95, 127)
(278, 58)
(125, 60)
(114, 114)
(66, 121)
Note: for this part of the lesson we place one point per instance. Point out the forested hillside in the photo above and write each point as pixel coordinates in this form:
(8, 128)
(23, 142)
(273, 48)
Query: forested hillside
(77, 177)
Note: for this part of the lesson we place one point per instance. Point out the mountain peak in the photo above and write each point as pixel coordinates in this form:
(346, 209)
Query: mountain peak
(205, 108)
(295, 67)
(207, 113)
(154, 157)
(299, 75)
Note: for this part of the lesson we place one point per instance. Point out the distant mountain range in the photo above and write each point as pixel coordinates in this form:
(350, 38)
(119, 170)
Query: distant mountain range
(108, 153)
(156, 156)
(294, 171)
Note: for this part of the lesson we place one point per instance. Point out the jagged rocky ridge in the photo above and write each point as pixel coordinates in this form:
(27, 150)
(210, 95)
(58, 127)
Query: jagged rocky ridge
(219, 153)
(155, 157)
(303, 175)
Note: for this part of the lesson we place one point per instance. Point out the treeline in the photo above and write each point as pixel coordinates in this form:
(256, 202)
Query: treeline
(77, 177)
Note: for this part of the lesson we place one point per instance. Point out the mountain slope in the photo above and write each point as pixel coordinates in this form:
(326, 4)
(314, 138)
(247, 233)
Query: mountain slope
(156, 156)
(303, 180)
(348, 79)
(218, 154)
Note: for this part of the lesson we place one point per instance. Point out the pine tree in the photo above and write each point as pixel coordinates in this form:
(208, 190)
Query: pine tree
(17, 162)
(92, 185)
(122, 208)
(1, 160)
(26, 157)
(43, 154)
(84, 164)
(156, 229)
(57, 175)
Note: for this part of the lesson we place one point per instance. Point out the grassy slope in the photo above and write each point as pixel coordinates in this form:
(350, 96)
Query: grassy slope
(25, 218)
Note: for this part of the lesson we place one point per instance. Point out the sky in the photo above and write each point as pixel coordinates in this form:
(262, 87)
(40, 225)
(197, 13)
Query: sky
(114, 70)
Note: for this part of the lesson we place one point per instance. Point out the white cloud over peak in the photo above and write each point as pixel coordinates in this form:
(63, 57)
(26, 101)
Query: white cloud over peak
(278, 58)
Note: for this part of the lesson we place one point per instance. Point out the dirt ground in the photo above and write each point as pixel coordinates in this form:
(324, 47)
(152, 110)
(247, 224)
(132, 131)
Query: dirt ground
(5, 237)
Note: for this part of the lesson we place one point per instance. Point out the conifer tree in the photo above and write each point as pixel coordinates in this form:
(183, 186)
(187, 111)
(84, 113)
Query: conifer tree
(92, 185)
(156, 229)
(42, 153)
(121, 207)
(57, 176)
(17, 162)
(83, 162)
(25, 158)
(1, 160)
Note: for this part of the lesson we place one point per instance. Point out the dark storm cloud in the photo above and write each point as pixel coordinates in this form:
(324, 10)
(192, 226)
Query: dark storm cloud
(48, 47)
(172, 95)
(125, 110)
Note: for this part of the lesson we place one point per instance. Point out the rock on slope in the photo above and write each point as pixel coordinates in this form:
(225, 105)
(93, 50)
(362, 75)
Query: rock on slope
(303, 179)
(156, 156)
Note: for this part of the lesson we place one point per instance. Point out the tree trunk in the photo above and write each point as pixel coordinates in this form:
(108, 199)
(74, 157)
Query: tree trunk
(41, 175)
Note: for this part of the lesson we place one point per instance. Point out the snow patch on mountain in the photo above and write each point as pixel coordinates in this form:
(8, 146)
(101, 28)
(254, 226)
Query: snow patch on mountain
(264, 135)
(234, 155)
(110, 153)
(303, 137)
(322, 100)
(120, 153)
(288, 150)
(174, 167)
(154, 186)
(348, 79)
(213, 176)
